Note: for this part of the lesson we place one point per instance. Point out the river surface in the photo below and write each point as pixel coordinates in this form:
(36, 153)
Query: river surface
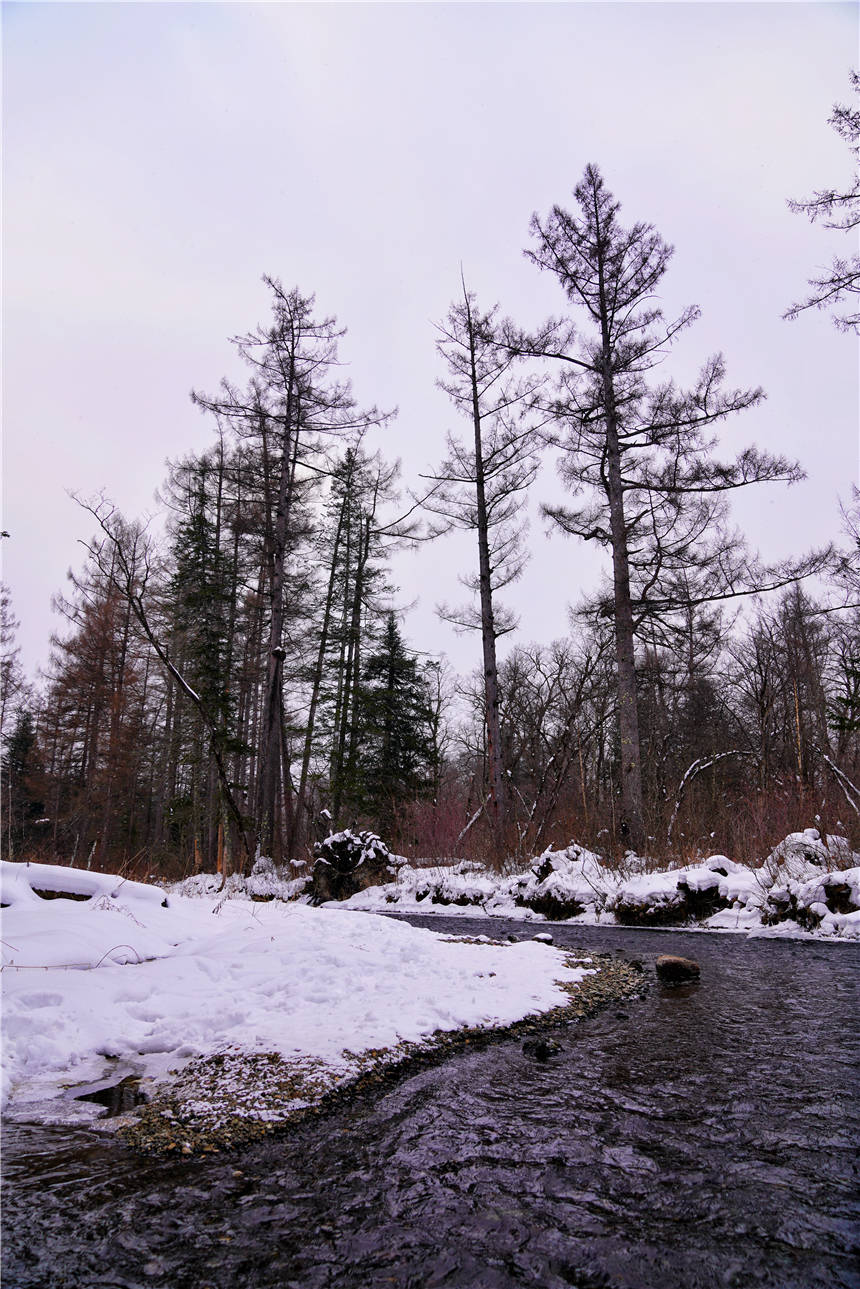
(698, 1137)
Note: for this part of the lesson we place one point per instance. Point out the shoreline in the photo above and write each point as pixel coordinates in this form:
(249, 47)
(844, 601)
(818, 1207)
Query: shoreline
(793, 932)
(199, 1112)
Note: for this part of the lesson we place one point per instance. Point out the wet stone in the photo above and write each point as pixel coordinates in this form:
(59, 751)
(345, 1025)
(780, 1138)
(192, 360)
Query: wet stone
(673, 970)
(117, 1098)
(541, 1049)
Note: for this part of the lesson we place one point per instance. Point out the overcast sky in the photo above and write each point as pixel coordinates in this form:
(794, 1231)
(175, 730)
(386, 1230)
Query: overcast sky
(159, 158)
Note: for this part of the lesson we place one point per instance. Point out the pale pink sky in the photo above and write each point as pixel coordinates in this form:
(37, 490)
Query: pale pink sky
(160, 158)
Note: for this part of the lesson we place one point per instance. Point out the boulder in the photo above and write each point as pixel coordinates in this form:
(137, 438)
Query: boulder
(673, 970)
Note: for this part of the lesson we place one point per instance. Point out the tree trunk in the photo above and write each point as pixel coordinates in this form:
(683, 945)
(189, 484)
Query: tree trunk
(303, 812)
(346, 741)
(497, 799)
(632, 815)
(270, 738)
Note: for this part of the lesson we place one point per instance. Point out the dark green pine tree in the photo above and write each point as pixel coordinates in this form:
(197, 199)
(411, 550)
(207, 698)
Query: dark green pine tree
(21, 775)
(397, 756)
(198, 605)
(199, 596)
(845, 712)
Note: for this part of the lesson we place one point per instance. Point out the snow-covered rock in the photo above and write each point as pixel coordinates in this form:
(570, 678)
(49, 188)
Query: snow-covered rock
(347, 862)
(563, 884)
(815, 899)
(804, 847)
(716, 893)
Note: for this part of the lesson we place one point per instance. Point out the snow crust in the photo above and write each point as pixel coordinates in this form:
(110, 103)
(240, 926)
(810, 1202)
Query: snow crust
(120, 976)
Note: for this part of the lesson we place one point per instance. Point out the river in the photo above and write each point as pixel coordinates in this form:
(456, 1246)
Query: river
(699, 1137)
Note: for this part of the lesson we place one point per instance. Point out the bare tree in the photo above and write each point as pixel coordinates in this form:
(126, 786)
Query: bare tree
(480, 487)
(838, 210)
(125, 557)
(13, 686)
(644, 452)
(293, 406)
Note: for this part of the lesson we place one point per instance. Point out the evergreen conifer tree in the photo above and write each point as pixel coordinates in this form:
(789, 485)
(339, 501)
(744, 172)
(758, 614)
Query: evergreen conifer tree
(396, 761)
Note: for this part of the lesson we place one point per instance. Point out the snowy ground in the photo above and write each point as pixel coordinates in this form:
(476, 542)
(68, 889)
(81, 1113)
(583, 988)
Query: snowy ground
(129, 979)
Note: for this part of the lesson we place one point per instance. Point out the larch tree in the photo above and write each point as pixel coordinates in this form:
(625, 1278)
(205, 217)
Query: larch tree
(644, 452)
(126, 557)
(19, 754)
(350, 546)
(480, 487)
(293, 408)
(839, 210)
(13, 687)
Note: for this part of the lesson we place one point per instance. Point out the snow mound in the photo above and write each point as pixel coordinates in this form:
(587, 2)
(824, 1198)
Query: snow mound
(264, 882)
(23, 882)
(563, 884)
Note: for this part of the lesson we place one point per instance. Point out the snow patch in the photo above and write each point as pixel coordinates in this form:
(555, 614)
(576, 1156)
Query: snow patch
(156, 987)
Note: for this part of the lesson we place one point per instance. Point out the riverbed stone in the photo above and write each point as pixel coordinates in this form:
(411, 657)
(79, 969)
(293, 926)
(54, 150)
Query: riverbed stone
(673, 970)
(541, 1048)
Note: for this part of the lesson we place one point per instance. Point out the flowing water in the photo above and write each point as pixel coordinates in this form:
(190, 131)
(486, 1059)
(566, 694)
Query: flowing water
(703, 1136)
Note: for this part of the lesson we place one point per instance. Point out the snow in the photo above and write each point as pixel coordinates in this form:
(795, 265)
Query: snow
(153, 982)
(801, 889)
(21, 881)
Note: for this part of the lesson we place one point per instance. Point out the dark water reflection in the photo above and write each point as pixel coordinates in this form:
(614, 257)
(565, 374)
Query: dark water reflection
(702, 1137)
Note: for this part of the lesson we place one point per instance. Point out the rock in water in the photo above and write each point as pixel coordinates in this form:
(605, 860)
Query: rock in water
(541, 1048)
(543, 937)
(677, 971)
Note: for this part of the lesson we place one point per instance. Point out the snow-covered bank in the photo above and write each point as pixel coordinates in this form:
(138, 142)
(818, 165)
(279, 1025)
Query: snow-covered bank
(806, 887)
(131, 978)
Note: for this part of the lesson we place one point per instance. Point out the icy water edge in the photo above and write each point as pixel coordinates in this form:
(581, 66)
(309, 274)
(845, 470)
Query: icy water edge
(698, 1137)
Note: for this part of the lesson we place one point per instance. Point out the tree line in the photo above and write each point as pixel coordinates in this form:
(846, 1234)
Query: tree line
(242, 684)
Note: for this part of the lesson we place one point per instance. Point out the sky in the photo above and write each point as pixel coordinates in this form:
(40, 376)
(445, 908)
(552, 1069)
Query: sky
(160, 158)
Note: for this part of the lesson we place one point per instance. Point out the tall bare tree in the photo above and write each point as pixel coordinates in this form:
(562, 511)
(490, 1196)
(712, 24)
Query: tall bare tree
(839, 210)
(480, 487)
(643, 451)
(293, 407)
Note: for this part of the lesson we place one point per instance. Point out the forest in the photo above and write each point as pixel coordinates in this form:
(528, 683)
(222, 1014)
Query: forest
(239, 681)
